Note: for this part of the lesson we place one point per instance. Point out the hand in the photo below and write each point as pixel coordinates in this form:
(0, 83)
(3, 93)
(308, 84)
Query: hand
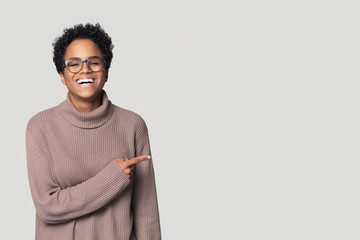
(129, 165)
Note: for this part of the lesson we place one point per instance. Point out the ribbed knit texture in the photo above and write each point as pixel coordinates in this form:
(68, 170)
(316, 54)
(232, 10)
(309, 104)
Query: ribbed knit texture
(79, 191)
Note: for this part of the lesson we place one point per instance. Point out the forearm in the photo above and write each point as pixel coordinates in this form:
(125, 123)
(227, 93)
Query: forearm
(65, 204)
(56, 205)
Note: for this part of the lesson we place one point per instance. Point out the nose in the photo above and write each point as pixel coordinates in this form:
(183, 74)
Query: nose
(85, 68)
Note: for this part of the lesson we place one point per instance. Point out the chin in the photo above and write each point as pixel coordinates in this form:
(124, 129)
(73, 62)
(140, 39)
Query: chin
(86, 93)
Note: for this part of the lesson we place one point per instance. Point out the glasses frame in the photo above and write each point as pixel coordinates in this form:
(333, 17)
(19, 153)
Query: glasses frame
(82, 64)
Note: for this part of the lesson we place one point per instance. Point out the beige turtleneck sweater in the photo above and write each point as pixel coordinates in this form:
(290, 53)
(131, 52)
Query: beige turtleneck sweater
(79, 190)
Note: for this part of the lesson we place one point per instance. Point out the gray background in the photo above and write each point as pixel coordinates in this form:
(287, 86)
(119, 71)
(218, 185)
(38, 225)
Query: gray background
(252, 109)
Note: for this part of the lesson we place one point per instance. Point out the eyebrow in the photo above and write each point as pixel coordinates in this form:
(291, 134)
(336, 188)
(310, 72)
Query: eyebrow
(86, 59)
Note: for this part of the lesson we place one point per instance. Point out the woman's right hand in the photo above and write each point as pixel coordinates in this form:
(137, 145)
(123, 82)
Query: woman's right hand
(129, 165)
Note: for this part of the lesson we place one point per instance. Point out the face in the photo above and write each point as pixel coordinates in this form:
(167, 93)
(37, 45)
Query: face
(83, 49)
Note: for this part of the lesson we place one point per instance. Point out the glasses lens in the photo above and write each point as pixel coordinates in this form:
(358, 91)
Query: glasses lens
(74, 65)
(95, 64)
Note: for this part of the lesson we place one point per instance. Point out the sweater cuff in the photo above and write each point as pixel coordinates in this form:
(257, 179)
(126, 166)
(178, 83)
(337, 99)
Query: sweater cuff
(114, 173)
(107, 183)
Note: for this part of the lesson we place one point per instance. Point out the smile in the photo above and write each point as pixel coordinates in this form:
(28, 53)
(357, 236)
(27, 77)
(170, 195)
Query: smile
(85, 82)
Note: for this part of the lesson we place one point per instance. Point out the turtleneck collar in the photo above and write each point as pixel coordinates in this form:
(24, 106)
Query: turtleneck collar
(94, 119)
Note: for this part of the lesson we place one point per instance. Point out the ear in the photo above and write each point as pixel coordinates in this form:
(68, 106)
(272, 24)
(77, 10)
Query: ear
(62, 77)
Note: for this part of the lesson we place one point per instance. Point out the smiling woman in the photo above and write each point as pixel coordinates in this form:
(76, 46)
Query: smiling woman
(84, 84)
(89, 161)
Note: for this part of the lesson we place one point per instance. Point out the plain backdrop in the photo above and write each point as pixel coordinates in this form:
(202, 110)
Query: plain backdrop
(251, 106)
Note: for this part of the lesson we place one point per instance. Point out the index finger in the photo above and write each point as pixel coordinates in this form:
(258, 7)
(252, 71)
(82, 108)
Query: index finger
(138, 159)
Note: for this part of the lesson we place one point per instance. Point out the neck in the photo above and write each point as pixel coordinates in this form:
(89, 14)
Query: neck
(86, 106)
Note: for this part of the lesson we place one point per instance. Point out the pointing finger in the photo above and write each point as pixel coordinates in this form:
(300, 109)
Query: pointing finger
(138, 159)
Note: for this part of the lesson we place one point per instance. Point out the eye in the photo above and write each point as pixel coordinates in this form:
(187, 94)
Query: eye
(73, 63)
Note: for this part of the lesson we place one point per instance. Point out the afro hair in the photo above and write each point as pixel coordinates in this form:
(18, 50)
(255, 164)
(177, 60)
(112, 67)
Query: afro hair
(89, 31)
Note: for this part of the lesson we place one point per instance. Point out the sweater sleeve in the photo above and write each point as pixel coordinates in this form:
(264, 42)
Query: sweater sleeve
(56, 205)
(144, 202)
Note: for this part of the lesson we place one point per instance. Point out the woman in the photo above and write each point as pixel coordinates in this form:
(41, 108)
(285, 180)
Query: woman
(89, 166)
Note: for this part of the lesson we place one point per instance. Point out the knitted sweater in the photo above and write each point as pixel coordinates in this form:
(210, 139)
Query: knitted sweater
(79, 190)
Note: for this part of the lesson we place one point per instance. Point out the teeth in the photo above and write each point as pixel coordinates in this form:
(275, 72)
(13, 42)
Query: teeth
(85, 81)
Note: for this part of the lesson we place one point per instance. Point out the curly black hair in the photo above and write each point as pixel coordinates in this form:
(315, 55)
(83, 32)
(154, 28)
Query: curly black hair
(89, 31)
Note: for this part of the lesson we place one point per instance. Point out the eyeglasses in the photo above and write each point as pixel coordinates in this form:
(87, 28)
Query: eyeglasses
(74, 65)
